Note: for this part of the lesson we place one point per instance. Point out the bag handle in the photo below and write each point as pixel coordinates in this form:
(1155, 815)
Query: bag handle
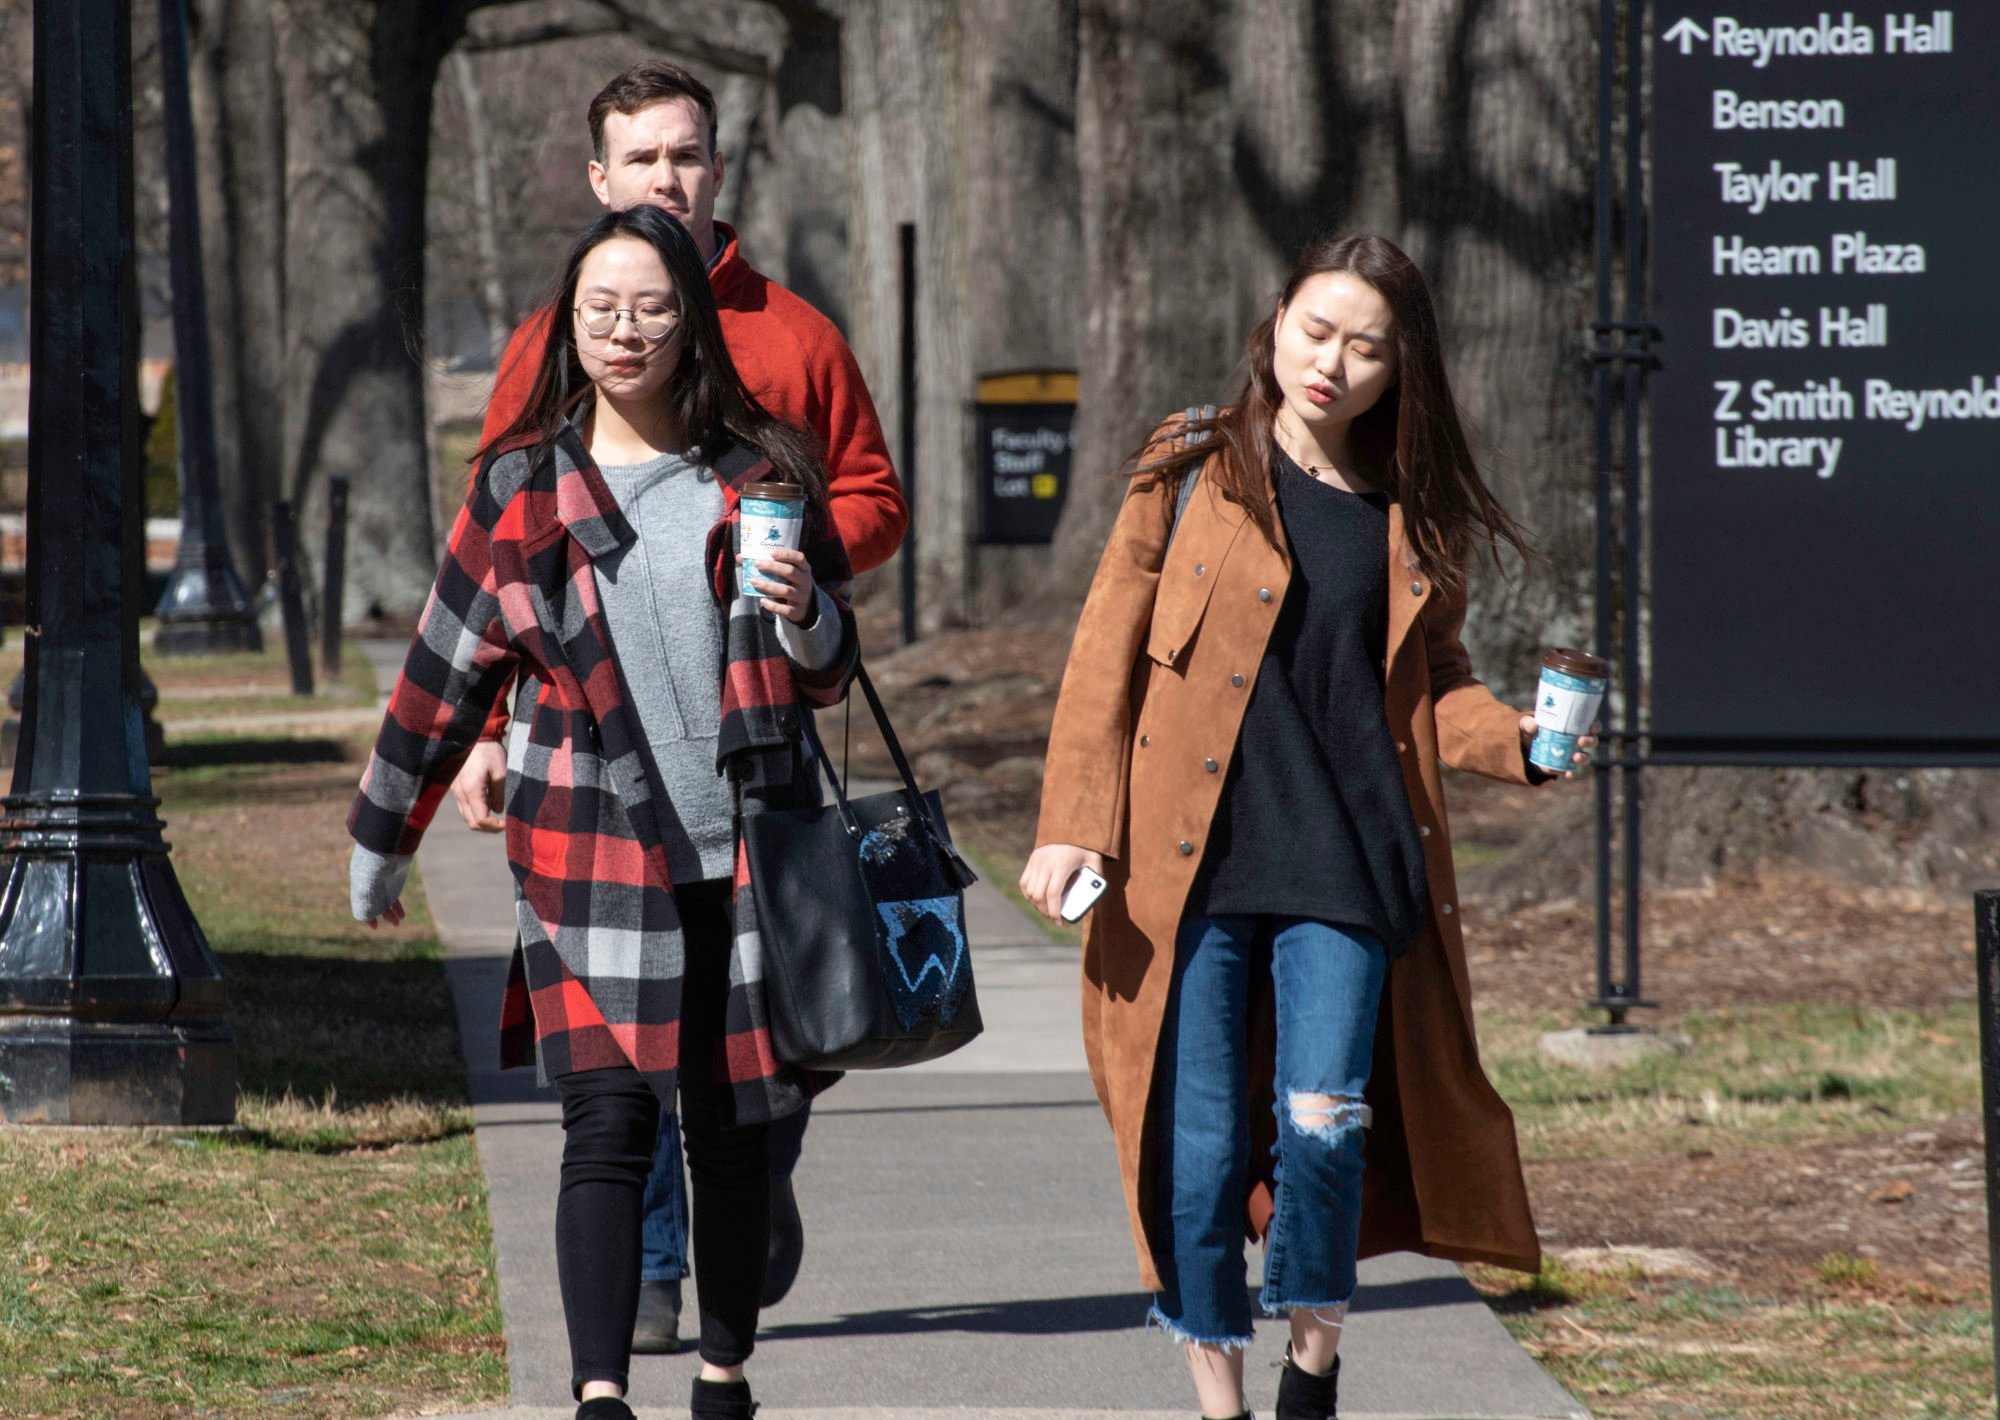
(918, 807)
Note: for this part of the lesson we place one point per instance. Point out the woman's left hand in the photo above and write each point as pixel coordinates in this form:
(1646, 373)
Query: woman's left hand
(785, 585)
(1584, 745)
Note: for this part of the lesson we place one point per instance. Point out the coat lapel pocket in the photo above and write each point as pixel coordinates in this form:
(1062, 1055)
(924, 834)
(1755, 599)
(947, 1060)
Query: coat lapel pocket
(1207, 531)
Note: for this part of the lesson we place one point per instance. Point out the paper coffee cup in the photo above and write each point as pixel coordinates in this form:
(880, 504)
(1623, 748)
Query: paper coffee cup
(1566, 704)
(769, 516)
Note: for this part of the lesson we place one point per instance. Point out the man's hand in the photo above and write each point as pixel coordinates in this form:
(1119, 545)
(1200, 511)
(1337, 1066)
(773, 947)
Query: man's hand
(1050, 868)
(480, 790)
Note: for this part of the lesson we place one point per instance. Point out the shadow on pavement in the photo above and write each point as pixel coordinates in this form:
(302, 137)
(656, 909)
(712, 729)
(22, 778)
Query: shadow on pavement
(1109, 1311)
(1414, 1294)
(1046, 1316)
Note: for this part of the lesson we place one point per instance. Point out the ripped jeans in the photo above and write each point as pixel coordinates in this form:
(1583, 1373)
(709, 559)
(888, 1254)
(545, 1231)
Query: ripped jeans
(1327, 983)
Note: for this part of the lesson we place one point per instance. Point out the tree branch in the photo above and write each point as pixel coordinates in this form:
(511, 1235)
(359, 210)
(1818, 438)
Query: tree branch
(538, 34)
(804, 17)
(724, 57)
(618, 17)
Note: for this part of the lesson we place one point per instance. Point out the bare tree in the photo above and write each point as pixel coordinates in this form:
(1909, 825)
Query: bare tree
(239, 118)
(486, 211)
(315, 126)
(1215, 140)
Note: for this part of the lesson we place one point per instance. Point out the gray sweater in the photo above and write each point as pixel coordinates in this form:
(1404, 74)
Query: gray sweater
(667, 634)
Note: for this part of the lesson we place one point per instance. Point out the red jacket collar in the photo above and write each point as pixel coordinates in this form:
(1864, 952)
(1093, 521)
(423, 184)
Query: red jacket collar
(729, 267)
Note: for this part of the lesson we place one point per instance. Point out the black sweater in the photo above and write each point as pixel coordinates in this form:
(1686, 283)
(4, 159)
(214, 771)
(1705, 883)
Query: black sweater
(1314, 819)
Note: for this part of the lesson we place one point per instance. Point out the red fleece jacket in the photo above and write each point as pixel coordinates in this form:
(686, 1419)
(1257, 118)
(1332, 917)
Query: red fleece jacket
(797, 365)
(793, 359)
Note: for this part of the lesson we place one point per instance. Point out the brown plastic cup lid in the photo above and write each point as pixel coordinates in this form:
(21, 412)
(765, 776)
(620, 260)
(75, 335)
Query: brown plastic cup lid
(789, 492)
(1571, 662)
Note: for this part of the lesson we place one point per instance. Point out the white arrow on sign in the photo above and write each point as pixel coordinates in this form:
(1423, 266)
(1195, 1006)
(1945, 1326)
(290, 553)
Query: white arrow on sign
(1685, 34)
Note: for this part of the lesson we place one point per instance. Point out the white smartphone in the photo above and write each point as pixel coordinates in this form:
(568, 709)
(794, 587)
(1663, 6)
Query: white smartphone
(1082, 893)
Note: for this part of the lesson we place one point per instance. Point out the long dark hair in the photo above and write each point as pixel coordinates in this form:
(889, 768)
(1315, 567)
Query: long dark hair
(710, 404)
(1410, 441)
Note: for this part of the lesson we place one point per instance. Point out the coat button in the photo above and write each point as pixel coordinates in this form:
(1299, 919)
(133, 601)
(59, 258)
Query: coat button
(1209, 765)
(1187, 848)
(1423, 830)
(1201, 569)
(1416, 589)
(1171, 655)
(1145, 740)
(1446, 909)
(1236, 680)
(1263, 594)
(1401, 748)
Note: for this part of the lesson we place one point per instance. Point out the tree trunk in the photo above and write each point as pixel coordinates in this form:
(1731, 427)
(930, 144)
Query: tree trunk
(902, 60)
(786, 140)
(360, 76)
(1020, 224)
(493, 303)
(1216, 140)
(240, 138)
(1165, 247)
(1496, 156)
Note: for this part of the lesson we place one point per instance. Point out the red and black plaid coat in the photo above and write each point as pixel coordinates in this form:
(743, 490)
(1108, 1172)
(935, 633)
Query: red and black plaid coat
(598, 978)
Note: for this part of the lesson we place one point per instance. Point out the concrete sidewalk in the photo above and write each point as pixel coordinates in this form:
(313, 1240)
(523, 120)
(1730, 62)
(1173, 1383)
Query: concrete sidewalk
(967, 1253)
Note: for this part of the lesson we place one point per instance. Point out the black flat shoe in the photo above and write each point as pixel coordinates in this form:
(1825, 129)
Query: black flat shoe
(788, 1243)
(605, 1407)
(656, 1330)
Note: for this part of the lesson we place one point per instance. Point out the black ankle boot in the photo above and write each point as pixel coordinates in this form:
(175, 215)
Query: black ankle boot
(605, 1407)
(1305, 1396)
(721, 1400)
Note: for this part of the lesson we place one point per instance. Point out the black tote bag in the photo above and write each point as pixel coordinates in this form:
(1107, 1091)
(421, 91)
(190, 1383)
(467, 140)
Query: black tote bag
(861, 904)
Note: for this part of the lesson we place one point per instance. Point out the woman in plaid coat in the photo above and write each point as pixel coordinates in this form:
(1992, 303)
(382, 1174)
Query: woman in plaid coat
(658, 705)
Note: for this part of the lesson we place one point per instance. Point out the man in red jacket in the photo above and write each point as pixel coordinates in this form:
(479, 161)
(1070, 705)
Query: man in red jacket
(652, 132)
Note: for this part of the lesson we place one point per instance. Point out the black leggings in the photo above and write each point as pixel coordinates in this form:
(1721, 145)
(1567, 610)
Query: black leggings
(609, 1119)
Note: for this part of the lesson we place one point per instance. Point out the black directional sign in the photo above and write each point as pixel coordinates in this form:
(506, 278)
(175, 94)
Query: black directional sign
(1826, 422)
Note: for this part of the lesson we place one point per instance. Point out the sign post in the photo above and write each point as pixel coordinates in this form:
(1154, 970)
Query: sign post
(1807, 321)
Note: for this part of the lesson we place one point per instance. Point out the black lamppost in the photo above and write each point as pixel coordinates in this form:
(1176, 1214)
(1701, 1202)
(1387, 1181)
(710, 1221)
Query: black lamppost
(205, 607)
(111, 1003)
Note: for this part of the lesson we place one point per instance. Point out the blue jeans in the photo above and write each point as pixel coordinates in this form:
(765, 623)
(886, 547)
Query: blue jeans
(663, 1227)
(1327, 984)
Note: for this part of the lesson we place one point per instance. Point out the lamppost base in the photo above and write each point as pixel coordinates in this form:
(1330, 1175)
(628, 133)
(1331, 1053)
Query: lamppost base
(112, 1006)
(205, 609)
(57, 1070)
(217, 635)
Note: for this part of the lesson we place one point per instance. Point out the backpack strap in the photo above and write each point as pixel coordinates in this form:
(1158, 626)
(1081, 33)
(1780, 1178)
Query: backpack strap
(1192, 476)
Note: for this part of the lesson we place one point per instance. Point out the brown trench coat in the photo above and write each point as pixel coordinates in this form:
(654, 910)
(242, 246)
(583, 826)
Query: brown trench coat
(1159, 675)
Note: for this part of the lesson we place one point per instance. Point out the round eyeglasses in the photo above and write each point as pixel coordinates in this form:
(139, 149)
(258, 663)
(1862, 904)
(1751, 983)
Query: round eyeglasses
(652, 320)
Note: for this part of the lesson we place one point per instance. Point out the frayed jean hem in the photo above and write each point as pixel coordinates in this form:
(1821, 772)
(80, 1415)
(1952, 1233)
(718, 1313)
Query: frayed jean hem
(1277, 1308)
(1157, 1320)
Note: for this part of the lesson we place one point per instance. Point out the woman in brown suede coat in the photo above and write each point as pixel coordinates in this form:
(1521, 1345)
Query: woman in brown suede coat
(1266, 678)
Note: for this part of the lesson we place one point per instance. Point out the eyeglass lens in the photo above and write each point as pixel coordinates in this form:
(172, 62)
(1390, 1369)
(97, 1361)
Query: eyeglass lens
(600, 319)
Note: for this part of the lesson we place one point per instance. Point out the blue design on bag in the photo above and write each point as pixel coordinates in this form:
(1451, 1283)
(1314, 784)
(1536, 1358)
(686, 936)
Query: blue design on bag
(919, 922)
